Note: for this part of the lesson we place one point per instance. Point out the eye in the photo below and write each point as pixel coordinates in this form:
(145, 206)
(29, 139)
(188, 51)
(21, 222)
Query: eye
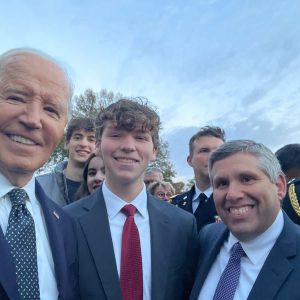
(91, 139)
(220, 183)
(204, 151)
(91, 173)
(142, 137)
(76, 137)
(15, 99)
(247, 179)
(52, 111)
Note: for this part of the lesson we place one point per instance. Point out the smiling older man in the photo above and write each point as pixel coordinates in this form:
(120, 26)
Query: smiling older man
(37, 239)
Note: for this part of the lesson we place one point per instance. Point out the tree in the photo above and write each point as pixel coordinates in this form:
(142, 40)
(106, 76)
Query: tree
(87, 105)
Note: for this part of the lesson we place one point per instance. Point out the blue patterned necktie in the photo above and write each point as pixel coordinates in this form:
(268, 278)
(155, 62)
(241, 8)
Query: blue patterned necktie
(20, 235)
(230, 277)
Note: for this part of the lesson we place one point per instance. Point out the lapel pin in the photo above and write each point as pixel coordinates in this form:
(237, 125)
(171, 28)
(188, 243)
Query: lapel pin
(184, 197)
(56, 214)
(217, 219)
(184, 203)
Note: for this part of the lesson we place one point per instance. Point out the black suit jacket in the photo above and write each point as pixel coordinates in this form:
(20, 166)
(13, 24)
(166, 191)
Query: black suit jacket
(173, 250)
(207, 213)
(61, 231)
(280, 274)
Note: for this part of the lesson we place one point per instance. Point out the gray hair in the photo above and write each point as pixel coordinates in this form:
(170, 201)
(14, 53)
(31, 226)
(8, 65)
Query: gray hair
(267, 160)
(17, 51)
(151, 170)
(164, 184)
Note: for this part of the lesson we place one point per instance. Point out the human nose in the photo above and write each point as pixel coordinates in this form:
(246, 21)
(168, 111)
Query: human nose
(32, 116)
(99, 177)
(234, 191)
(128, 144)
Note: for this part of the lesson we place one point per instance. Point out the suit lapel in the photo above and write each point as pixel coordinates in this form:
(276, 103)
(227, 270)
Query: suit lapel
(277, 266)
(54, 227)
(7, 272)
(101, 245)
(207, 258)
(160, 236)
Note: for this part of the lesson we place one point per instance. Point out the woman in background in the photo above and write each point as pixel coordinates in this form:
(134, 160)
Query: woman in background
(93, 176)
(161, 189)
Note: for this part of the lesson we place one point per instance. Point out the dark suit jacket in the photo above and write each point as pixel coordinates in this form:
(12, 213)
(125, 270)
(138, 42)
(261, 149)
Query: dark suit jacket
(62, 238)
(207, 213)
(280, 275)
(173, 253)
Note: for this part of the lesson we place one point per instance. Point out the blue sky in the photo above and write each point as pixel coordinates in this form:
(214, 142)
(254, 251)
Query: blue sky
(231, 63)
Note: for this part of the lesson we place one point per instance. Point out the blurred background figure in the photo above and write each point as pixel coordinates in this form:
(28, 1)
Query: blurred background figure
(93, 176)
(289, 158)
(152, 174)
(161, 189)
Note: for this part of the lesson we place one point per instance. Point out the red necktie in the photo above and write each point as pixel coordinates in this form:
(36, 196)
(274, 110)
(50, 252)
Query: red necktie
(131, 277)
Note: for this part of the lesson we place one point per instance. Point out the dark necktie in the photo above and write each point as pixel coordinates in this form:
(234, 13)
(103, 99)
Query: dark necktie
(230, 277)
(20, 235)
(131, 275)
(202, 199)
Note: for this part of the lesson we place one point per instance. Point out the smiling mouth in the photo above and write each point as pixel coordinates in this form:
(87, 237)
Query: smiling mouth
(21, 140)
(240, 211)
(126, 160)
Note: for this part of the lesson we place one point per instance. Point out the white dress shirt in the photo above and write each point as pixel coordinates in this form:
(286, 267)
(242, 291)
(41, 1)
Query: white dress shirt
(257, 251)
(116, 220)
(47, 281)
(195, 200)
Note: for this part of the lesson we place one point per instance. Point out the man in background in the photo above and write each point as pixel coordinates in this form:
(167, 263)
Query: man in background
(199, 199)
(64, 181)
(152, 174)
(37, 238)
(289, 158)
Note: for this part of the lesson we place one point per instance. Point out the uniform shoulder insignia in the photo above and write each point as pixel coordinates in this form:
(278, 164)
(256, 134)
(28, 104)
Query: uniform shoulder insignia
(293, 198)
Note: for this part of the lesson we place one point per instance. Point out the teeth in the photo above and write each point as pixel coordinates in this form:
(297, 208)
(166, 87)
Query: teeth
(126, 160)
(21, 140)
(239, 210)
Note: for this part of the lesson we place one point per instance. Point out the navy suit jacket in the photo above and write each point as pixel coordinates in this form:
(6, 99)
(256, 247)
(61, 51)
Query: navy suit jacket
(279, 277)
(207, 213)
(173, 250)
(61, 231)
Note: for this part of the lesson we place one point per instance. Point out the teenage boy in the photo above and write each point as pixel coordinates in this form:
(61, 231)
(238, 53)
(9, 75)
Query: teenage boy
(64, 181)
(132, 245)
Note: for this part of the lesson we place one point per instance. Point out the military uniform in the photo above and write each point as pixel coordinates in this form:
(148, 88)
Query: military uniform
(207, 213)
(291, 202)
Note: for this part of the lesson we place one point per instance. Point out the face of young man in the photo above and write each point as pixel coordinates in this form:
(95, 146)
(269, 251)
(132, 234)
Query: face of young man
(125, 154)
(246, 200)
(202, 150)
(33, 113)
(81, 146)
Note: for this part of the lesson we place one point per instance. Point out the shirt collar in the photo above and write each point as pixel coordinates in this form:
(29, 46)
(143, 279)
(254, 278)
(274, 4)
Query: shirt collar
(207, 192)
(6, 187)
(263, 242)
(114, 203)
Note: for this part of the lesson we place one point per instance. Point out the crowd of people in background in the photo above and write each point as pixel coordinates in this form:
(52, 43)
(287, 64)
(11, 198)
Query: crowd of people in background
(106, 224)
